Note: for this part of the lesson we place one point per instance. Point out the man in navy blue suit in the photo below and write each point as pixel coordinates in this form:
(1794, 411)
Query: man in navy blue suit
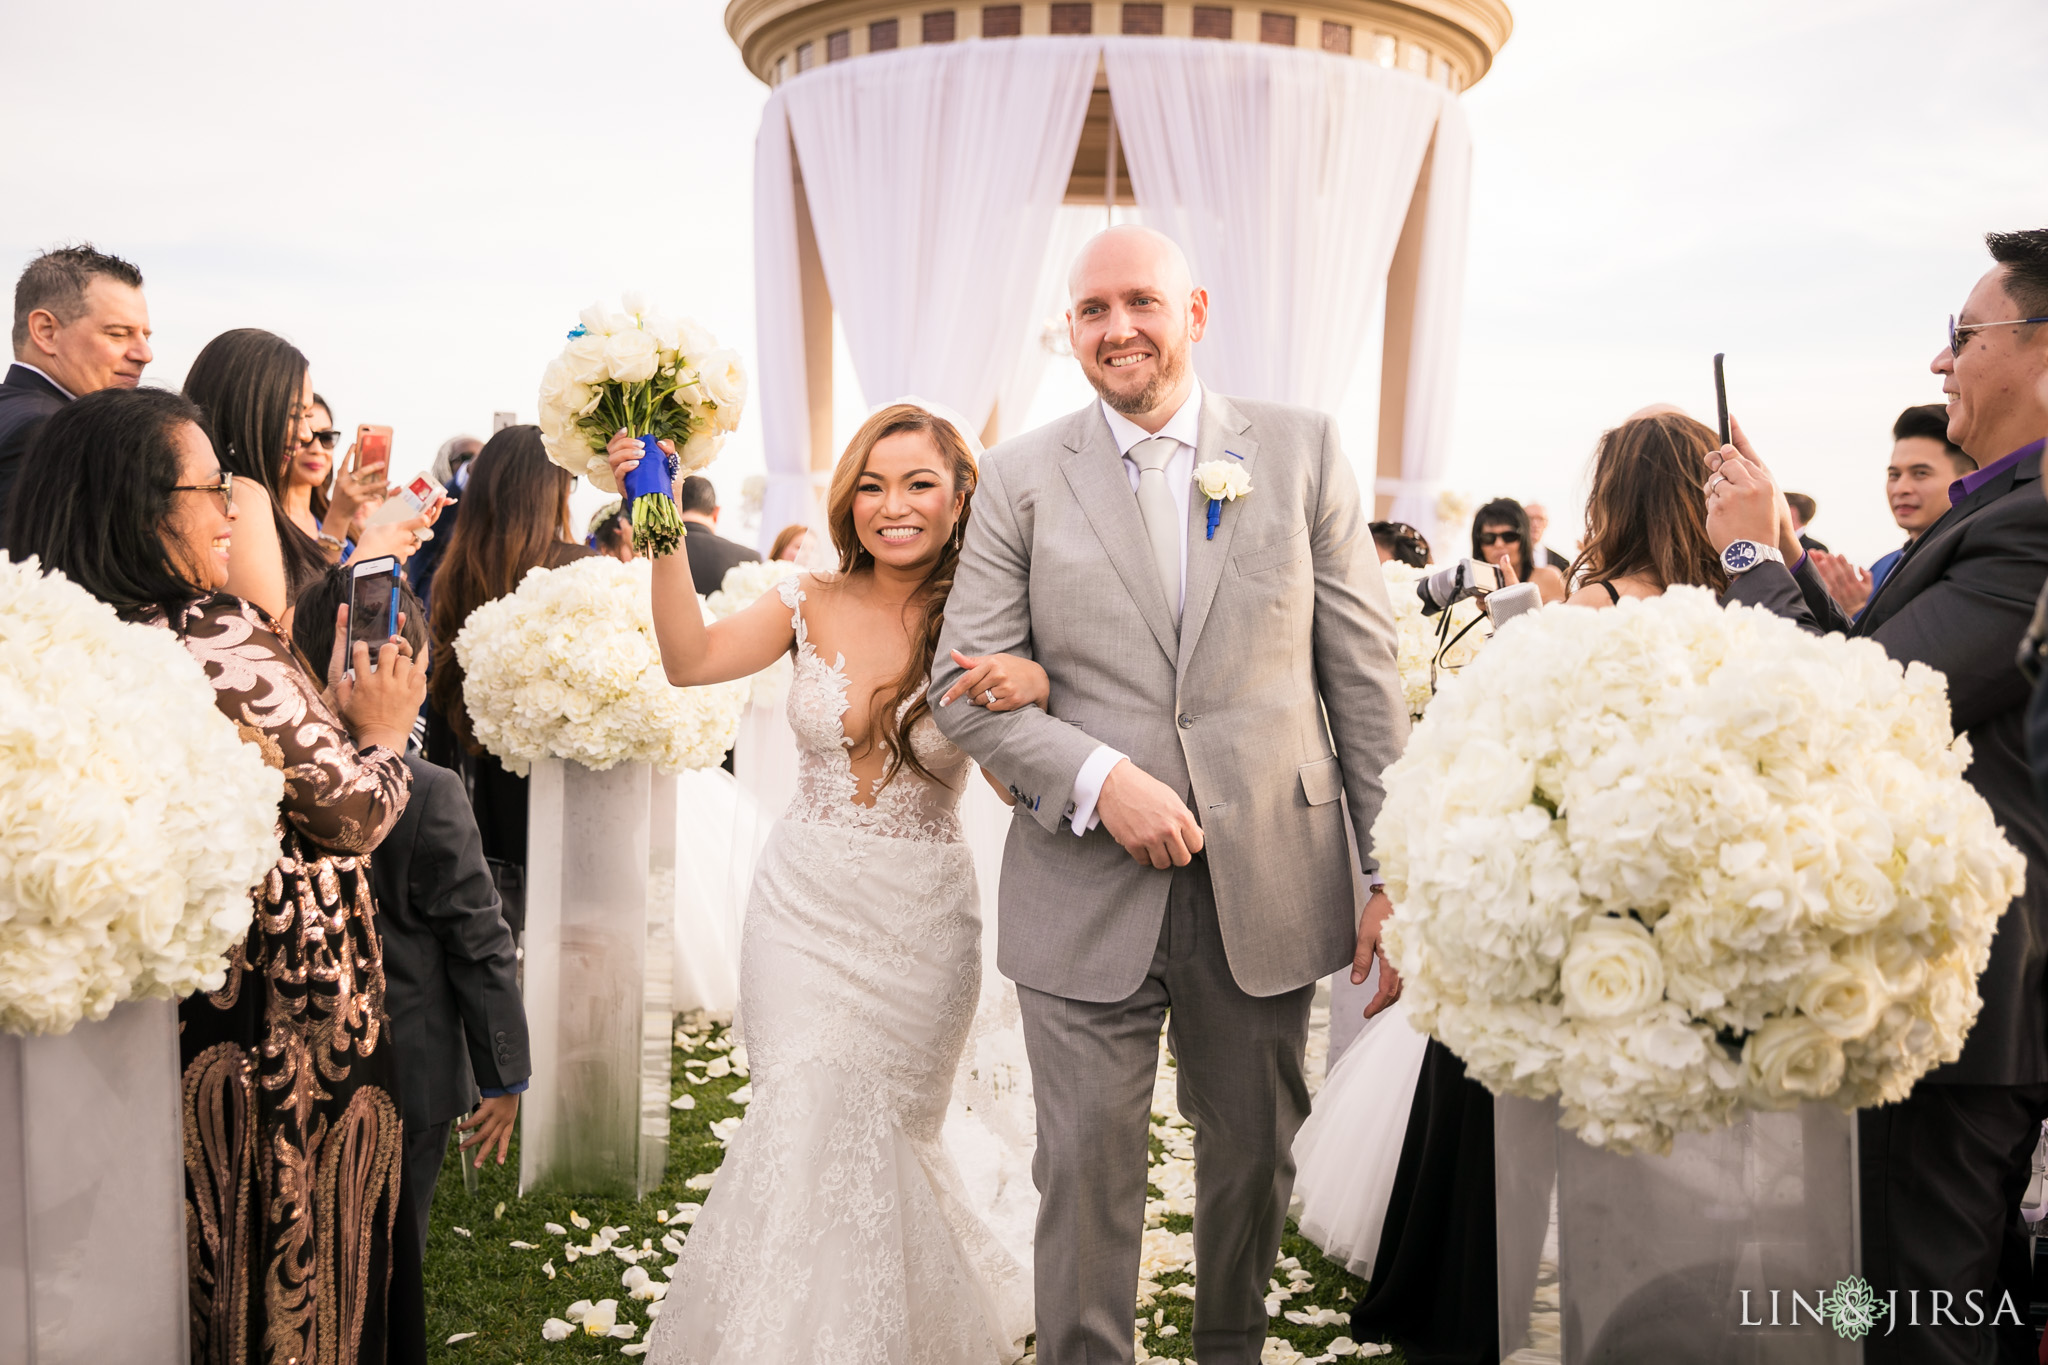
(1943, 1170)
(80, 325)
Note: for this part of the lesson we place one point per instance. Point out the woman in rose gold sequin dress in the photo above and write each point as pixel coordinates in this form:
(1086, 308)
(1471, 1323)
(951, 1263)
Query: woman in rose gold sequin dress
(292, 1135)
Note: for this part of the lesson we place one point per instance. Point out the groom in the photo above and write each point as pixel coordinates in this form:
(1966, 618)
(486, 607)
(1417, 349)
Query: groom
(1178, 843)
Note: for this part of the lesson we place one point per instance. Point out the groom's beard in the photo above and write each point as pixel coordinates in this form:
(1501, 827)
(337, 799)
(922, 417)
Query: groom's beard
(1171, 368)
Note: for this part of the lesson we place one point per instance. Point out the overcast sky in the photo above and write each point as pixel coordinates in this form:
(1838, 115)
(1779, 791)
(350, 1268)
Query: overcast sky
(421, 196)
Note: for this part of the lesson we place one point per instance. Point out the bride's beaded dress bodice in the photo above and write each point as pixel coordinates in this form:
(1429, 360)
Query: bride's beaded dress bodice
(826, 787)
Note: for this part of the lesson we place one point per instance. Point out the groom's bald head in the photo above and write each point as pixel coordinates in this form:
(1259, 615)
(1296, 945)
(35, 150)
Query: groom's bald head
(1128, 250)
(1133, 316)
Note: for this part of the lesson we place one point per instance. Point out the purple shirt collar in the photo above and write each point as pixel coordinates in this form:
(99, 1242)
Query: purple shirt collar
(1970, 483)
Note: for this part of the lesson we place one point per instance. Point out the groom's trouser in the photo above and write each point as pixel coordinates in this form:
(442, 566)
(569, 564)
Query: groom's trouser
(1239, 1067)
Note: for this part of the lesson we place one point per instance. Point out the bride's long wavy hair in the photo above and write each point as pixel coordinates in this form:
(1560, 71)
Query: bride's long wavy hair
(888, 719)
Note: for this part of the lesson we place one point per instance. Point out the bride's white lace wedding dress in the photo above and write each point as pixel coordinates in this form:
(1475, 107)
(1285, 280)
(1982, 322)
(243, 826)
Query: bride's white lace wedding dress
(838, 1228)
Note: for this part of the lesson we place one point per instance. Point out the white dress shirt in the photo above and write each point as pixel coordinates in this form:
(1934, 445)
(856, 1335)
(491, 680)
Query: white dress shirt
(74, 397)
(1184, 426)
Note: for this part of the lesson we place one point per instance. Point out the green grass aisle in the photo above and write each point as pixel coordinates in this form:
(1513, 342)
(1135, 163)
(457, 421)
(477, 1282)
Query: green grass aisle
(489, 1254)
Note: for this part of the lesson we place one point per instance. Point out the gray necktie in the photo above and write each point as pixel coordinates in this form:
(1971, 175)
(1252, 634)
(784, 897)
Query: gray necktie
(1162, 516)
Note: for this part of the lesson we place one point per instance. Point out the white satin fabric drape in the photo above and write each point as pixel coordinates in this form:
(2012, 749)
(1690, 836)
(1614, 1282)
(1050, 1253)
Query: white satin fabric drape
(933, 175)
(1285, 175)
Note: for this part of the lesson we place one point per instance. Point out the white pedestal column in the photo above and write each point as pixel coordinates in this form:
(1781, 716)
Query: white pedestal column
(600, 909)
(92, 1181)
(1722, 1250)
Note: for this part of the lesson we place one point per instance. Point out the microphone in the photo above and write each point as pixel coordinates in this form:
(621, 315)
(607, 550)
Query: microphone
(1505, 604)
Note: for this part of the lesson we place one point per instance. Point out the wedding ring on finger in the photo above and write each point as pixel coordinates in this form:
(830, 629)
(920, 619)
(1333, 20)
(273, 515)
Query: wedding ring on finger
(989, 696)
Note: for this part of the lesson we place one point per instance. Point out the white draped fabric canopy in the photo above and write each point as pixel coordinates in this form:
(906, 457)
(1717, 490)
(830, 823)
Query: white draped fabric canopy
(934, 176)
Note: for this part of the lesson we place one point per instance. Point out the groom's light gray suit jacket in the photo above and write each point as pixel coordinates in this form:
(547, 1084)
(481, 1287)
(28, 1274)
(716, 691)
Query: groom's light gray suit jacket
(1278, 694)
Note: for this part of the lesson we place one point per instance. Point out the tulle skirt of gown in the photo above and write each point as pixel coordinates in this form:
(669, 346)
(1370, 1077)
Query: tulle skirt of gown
(839, 1229)
(1349, 1149)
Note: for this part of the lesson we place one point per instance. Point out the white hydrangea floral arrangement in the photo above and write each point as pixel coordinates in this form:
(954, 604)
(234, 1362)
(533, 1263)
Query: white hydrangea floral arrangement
(133, 819)
(567, 666)
(1417, 639)
(1671, 860)
(743, 585)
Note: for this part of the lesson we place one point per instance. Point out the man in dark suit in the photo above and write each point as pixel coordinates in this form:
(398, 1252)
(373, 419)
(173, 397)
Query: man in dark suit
(711, 554)
(1943, 1171)
(80, 325)
(451, 981)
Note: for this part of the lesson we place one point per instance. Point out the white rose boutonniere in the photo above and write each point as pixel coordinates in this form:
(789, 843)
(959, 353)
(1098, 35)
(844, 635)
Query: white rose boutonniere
(1221, 481)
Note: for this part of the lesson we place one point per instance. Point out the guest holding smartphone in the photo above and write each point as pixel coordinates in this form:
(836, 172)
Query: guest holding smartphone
(1943, 1170)
(451, 978)
(256, 390)
(292, 1124)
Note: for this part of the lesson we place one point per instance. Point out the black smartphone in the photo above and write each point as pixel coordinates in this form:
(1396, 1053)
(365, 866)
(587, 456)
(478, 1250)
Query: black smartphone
(1721, 395)
(372, 606)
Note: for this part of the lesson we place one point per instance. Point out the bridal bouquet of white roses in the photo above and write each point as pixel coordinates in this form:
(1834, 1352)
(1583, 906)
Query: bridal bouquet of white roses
(1419, 638)
(133, 819)
(655, 377)
(743, 585)
(1671, 860)
(567, 665)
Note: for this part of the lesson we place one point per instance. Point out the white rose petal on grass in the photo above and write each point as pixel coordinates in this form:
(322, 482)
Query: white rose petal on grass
(700, 1182)
(499, 1212)
(683, 1102)
(459, 1336)
(549, 1268)
(555, 1329)
(638, 1348)
(552, 1229)
(577, 1220)
(523, 1246)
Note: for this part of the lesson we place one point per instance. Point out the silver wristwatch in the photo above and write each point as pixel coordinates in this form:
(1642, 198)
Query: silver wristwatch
(1743, 555)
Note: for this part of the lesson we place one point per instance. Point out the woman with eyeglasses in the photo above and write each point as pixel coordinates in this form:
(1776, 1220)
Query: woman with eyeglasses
(1501, 537)
(292, 1131)
(256, 390)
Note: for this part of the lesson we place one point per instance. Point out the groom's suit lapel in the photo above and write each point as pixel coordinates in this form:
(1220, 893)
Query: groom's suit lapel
(1221, 435)
(1095, 471)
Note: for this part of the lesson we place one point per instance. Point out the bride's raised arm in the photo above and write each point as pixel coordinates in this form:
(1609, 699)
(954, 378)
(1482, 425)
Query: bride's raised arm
(693, 653)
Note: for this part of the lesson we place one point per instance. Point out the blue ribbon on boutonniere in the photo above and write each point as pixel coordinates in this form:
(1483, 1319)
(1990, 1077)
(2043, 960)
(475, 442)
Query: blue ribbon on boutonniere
(1216, 504)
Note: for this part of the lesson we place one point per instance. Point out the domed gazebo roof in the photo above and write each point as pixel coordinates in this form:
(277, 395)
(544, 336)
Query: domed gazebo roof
(1452, 42)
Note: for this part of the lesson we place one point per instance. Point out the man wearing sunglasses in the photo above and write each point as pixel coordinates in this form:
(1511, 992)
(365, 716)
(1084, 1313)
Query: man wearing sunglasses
(1943, 1170)
(80, 325)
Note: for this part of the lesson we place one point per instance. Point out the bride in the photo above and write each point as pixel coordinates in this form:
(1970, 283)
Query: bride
(839, 1227)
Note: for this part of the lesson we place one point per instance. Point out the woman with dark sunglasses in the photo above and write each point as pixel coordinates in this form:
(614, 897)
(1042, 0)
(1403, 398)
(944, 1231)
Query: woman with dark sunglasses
(1501, 537)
